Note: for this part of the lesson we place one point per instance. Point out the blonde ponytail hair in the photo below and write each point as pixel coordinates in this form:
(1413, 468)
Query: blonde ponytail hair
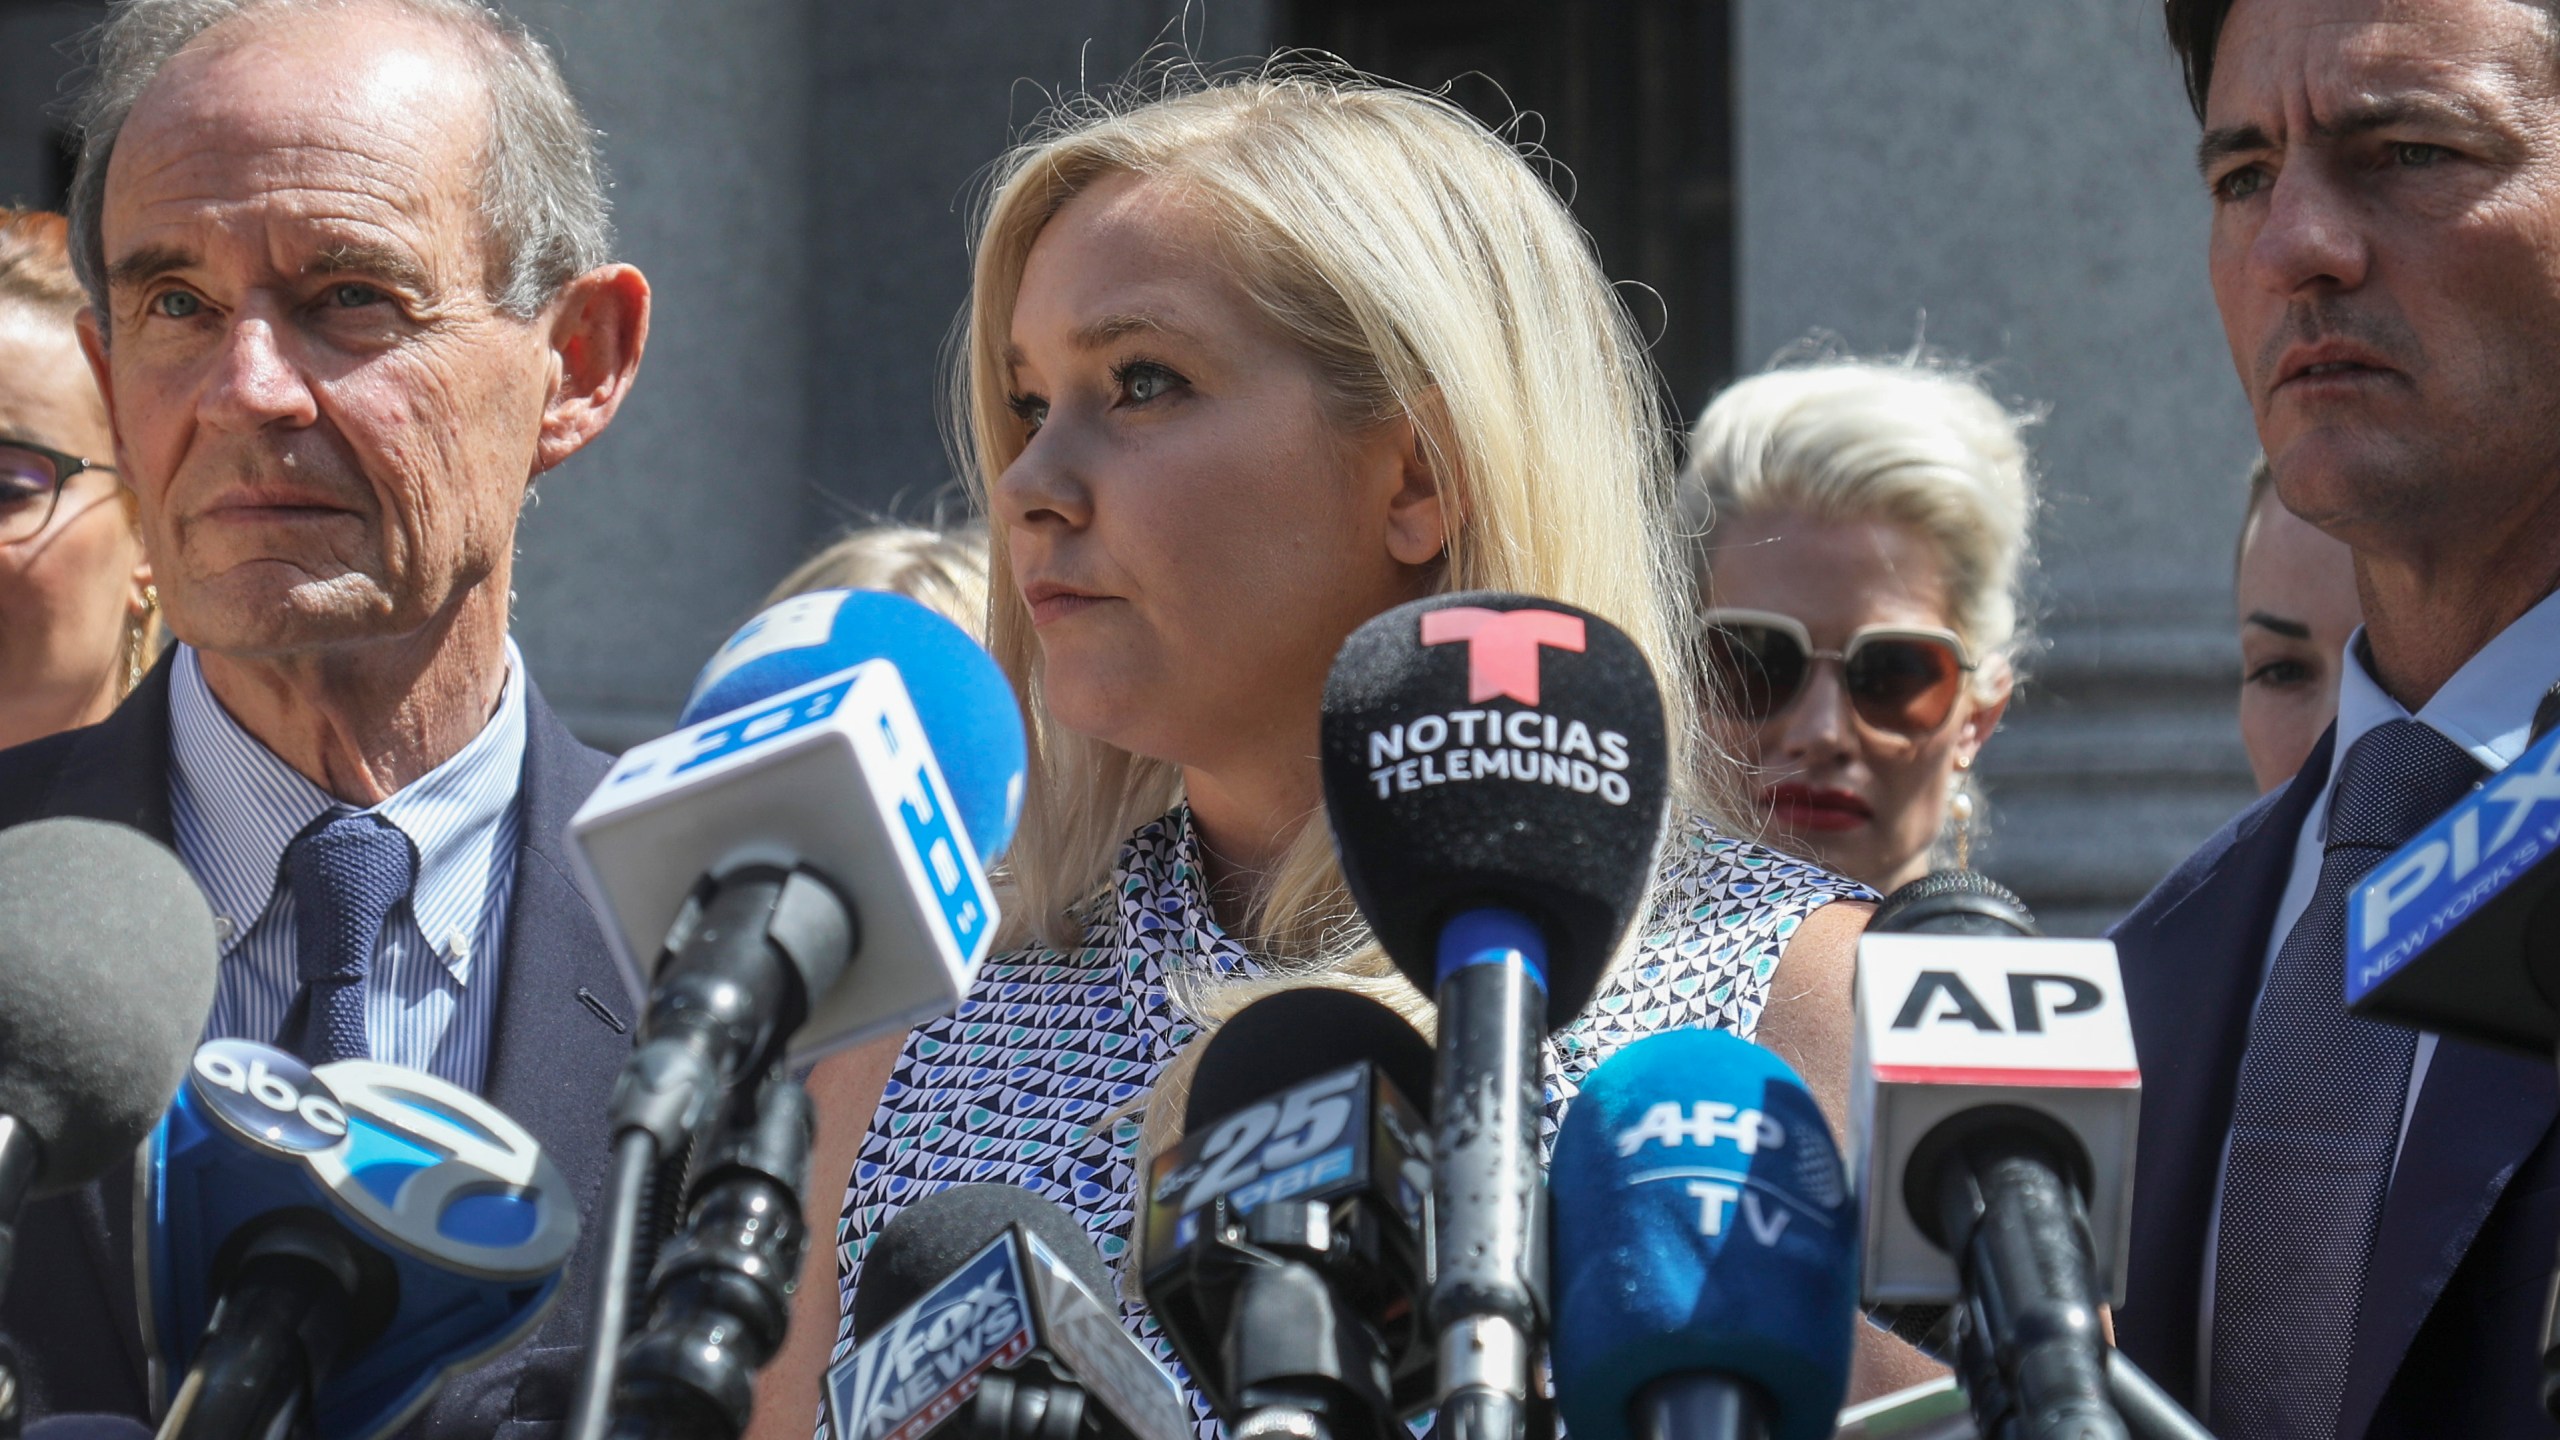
(1430, 272)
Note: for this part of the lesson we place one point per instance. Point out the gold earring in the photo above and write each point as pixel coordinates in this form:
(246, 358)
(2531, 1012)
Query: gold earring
(137, 640)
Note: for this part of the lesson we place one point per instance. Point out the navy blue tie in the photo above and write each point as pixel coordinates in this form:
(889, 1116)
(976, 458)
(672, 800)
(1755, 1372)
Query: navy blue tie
(2317, 1118)
(347, 870)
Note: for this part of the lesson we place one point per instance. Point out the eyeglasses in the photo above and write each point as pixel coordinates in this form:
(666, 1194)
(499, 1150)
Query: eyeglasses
(1900, 679)
(32, 479)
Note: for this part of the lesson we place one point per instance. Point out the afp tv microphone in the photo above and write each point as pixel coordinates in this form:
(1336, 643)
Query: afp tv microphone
(1706, 1248)
(1993, 1105)
(1285, 1247)
(93, 917)
(1497, 779)
(801, 867)
(324, 1247)
(984, 1314)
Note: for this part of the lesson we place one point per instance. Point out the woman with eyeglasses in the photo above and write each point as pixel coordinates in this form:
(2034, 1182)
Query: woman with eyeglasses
(76, 603)
(1862, 531)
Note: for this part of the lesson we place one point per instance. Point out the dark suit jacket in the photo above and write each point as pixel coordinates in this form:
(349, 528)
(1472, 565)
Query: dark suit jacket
(561, 1039)
(2448, 1340)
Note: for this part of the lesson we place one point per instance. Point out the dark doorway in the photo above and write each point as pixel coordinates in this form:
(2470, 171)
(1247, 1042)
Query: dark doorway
(1634, 98)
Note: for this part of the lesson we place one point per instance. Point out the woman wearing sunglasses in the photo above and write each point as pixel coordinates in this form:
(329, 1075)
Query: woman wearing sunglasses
(1863, 532)
(76, 602)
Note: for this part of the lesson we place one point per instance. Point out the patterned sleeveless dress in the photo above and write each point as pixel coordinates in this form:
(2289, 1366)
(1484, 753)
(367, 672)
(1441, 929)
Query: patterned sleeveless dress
(1016, 1087)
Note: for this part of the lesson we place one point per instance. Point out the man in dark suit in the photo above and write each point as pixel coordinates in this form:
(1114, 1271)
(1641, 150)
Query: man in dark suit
(350, 295)
(2343, 1228)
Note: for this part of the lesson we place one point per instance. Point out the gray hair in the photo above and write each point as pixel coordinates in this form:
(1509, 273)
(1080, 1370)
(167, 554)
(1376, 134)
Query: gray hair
(541, 188)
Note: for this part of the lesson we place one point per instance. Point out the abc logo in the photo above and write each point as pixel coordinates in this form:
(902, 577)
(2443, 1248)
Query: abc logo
(268, 1095)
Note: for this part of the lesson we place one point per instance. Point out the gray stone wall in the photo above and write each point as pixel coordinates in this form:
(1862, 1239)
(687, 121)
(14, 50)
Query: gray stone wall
(2019, 172)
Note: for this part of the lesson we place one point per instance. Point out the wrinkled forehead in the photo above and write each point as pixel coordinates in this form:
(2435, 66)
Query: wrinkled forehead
(2290, 63)
(367, 130)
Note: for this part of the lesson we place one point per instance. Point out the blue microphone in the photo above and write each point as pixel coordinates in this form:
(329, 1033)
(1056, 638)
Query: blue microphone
(969, 711)
(1705, 1248)
(323, 1247)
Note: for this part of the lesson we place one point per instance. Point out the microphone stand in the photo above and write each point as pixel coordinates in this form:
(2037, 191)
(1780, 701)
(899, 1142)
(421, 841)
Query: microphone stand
(21, 1156)
(720, 1298)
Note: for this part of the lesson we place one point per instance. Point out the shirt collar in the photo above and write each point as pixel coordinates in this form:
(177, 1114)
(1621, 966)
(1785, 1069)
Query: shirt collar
(2486, 708)
(254, 804)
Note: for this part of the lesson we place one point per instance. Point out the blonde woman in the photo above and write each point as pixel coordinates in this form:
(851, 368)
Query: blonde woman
(1862, 537)
(76, 603)
(1243, 367)
(943, 570)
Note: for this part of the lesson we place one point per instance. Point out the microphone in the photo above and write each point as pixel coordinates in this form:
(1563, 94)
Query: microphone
(849, 765)
(322, 1247)
(1497, 779)
(986, 1315)
(2453, 932)
(1706, 1249)
(107, 961)
(1994, 1100)
(1284, 1237)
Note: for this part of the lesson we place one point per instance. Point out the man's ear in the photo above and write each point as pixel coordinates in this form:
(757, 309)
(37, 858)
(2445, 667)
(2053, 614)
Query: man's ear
(1418, 513)
(599, 325)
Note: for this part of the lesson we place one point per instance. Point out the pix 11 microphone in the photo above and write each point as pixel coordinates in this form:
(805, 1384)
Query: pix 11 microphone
(1993, 1110)
(1706, 1248)
(2455, 931)
(1285, 1251)
(1497, 779)
(325, 1246)
(983, 1313)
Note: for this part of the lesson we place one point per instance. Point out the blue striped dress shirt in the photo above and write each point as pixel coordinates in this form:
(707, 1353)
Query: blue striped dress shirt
(431, 997)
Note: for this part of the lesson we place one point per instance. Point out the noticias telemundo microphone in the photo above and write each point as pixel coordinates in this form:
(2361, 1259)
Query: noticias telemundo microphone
(1284, 1240)
(986, 1315)
(800, 867)
(1503, 901)
(324, 1246)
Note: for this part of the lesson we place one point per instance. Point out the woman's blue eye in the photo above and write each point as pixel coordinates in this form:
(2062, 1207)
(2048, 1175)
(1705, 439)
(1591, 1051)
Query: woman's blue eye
(1031, 410)
(176, 304)
(1144, 381)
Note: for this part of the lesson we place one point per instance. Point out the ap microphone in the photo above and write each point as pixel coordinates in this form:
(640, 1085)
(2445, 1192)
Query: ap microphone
(1497, 778)
(324, 1246)
(984, 1314)
(1994, 1102)
(1706, 1248)
(1285, 1247)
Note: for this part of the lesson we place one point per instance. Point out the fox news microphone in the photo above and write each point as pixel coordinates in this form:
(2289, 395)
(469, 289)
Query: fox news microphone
(1496, 775)
(324, 1246)
(1285, 1250)
(984, 1314)
(1994, 1102)
(801, 866)
(1706, 1249)
(92, 917)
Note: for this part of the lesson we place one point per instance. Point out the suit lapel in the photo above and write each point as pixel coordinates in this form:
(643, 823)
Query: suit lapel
(554, 1057)
(2480, 1114)
(2192, 971)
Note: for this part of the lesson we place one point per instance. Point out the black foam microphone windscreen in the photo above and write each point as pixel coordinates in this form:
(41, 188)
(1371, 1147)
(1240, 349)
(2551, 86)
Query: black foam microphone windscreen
(1490, 749)
(1953, 902)
(1296, 1035)
(924, 1243)
(107, 962)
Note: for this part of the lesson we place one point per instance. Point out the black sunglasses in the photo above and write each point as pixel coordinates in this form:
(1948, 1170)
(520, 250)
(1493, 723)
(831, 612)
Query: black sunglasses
(1900, 679)
(32, 479)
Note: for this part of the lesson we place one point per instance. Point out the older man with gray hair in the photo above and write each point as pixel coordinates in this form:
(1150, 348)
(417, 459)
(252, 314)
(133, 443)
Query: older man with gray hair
(350, 294)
